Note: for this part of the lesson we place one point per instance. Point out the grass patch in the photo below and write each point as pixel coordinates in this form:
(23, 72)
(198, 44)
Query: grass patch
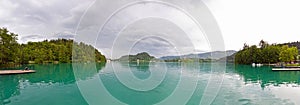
(292, 64)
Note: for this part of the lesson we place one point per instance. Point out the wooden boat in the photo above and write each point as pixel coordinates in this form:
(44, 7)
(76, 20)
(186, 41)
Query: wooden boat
(7, 72)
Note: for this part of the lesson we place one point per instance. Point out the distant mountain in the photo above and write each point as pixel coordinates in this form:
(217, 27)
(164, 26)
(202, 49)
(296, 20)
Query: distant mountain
(229, 58)
(207, 55)
(140, 56)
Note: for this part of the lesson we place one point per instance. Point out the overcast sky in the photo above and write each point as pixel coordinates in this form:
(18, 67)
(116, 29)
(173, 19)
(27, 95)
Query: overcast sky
(240, 21)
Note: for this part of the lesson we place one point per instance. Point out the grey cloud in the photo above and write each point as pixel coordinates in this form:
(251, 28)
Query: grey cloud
(39, 20)
(32, 38)
(35, 38)
(41, 17)
(155, 46)
(63, 35)
(76, 13)
(154, 35)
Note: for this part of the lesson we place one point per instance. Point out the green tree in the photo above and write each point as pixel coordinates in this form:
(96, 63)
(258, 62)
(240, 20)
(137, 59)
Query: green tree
(9, 47)
(266, 53)
(288, 54)
(271, 54)
(263, 44)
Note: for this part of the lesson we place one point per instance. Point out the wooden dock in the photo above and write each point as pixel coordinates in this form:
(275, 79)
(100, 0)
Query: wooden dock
(285, 69)
(7, 72)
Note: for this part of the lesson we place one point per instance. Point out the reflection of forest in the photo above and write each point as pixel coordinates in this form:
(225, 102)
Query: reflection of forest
(140, 69)
(265, 76)
(120, 91)
(46, 74)
(144, 66)
(141, 66)
(84, 71)
(9, 86)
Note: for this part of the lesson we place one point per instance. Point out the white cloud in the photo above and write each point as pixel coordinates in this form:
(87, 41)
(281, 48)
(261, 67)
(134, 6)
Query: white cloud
(276, 21)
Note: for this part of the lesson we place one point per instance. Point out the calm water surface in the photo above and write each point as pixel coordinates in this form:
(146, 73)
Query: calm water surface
(56, 84)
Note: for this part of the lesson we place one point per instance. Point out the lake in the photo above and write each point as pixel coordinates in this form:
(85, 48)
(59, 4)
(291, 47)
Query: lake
(149, 83)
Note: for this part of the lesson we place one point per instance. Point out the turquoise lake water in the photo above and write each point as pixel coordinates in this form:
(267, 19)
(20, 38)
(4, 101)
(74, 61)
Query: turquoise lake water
(149, 83)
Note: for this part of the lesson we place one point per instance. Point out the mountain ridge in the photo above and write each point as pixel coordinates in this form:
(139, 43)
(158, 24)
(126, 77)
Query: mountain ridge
(205, 55)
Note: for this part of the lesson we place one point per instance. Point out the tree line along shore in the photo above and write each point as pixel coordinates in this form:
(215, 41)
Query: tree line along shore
(52, 51)
(67, 51)
(268, 53)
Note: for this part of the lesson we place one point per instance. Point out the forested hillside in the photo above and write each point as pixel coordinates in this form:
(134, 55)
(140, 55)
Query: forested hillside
(59, 50)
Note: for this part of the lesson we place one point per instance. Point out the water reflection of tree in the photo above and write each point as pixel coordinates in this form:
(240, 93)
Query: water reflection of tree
(46, 74)
(9, 86)
(120, 91)
(265, 76)
(139, 69)
(144, 66)
(140, 66)
(54, 73)
(85, 71)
